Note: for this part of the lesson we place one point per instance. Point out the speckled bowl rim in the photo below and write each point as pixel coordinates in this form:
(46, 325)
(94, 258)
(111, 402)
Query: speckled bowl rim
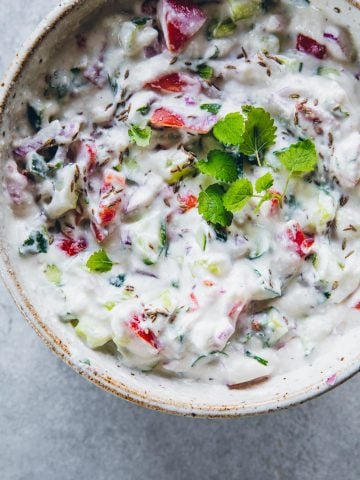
(107, 383)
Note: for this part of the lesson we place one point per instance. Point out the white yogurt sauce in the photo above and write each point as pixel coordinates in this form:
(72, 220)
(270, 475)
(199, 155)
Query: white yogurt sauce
(177, 294)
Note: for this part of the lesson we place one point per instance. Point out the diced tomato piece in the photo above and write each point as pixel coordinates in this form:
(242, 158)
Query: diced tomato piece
(310, 46)
(110, 200)
(165, 118)
(357, 306)
(180, 21)
(162, 117)
(187, 202)
(72, 247)
(87, 157)
(175, 82)
(301, 242)
(145, 334)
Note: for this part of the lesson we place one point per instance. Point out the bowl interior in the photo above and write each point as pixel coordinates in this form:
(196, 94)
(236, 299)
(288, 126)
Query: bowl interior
(337, 355)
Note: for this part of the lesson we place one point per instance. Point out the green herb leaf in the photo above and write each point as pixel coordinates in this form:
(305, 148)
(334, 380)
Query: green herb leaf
(53, 274)
(211, 206)
(205, 71)
(144, 110)
(261, 360)
(238, 195)
(140, 136)
(230, 129)
(264, 183)
(140, 21)
(36, 243)
(300, 157)
(164, 239)
(259, 134)
(211, 107)
(99, 262)
(220, 165)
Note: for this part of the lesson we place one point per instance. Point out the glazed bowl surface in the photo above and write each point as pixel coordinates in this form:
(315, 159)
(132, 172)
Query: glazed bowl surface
(340, 355)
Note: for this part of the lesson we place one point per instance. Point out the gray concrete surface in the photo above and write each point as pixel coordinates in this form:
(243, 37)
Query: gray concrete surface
(56, 426)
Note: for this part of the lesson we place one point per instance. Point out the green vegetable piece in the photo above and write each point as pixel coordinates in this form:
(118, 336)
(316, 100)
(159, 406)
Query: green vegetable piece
(241, 9)
(261, 360)
(220, 165)
(259, 133)
(99, 262)
(300, 157)
(238, 195)
(53, 274)
(205, 71)
(222, 29)
(211, 206)
(144, 110)
(59, 84)
(35, 117)
(37, 165)
(140, 136)
(36, 243)
(164, 240)
(113, 82)
(140, 21)
(230, 129)
(211, 107)
(117, 281)
(264, 183)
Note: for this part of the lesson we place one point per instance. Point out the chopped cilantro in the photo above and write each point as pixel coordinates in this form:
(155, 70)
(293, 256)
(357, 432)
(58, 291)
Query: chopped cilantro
(211, 206)
(144, 110)
(262, 361)
(205, 71)
(238, 195)
(230, 129)
(211, 107)
(220, 165)
(99, 262)
(140, 136)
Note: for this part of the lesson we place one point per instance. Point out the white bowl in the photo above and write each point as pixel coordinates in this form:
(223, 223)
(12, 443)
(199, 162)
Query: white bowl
(339, 355)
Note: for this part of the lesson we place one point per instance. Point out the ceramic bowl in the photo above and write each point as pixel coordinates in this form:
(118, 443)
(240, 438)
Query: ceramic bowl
(337, 361)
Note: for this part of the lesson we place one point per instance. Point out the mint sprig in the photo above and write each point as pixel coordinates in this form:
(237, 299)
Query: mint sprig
(259, 134)
(264, 183)
(211, 206)
(220, 165)
(230, 129)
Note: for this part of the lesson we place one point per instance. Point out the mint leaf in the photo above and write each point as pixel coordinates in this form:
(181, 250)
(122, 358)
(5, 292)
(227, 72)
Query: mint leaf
(211, 206)
(99, 262)
(238, 195)
(264, 183)
(211, 107)
(259, 134)
(140, 136)
(220, 165)
(144, 110)
(230, 129)
(300, 157)
(205, 71)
